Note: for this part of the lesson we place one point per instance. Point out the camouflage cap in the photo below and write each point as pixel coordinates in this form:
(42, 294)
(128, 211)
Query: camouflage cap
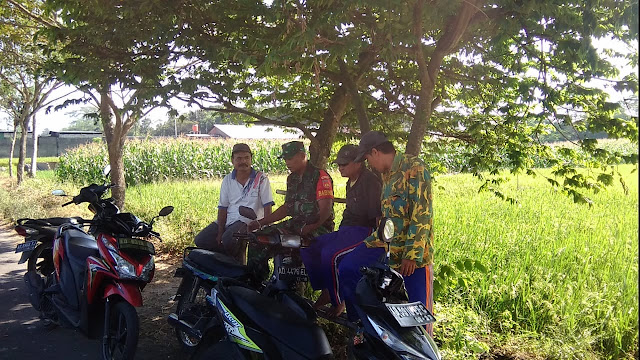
(346, 154)
(291, 148)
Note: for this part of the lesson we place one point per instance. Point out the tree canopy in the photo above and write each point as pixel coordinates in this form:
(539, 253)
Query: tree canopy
(493, 77)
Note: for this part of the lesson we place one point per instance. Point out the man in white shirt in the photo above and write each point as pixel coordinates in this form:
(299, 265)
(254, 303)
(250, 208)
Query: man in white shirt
(243, 187)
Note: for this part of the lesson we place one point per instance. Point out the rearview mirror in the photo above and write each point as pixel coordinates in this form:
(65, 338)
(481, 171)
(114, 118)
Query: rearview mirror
(247, 212)
(58, 193)
(386, 230)
(107, 170)
(166, 211)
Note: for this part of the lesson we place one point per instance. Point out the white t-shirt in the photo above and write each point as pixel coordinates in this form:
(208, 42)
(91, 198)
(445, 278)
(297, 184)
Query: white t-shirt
(256, 194)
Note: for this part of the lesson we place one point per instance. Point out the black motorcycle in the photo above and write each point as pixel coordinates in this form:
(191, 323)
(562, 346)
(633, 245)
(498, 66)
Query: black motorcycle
(201, 269)
(389, 326)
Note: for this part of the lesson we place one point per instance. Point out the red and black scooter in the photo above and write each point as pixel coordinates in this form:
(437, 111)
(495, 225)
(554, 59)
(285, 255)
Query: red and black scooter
(97, 277)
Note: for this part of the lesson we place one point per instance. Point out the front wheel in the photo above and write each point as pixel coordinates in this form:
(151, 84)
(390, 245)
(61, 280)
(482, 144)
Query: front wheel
(123, 328)
(194, 309)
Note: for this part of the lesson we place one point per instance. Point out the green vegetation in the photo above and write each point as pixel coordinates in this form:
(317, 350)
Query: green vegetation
(4, 162)
(543, 278)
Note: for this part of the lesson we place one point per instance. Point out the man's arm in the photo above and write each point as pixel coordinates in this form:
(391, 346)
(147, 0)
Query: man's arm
(223, 204)
(279, 214)
(419, 237)
(324, 211)
(222, 221)
(266, 197)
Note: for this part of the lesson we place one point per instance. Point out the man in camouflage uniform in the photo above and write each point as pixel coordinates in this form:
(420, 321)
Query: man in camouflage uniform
(309, 200)
(407, 200)
(309, 203)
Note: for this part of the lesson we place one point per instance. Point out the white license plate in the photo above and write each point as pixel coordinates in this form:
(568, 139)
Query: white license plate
(26, 246)
(412, 314)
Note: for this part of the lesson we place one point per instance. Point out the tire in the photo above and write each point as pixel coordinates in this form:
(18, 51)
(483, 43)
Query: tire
(193, 312)
(44, 267)
(124, 329)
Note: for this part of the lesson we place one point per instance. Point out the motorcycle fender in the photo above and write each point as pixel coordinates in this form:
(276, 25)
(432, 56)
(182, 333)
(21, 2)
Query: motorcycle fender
(130, 292)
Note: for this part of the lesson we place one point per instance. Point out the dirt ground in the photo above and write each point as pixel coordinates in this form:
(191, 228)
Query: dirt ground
(157, 339)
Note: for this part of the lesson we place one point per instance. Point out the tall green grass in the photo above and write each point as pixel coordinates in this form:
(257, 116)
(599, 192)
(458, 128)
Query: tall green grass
(554, 267)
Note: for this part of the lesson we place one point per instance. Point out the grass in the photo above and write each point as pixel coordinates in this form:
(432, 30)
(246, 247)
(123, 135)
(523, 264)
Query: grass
(561, 279)
(4, 162)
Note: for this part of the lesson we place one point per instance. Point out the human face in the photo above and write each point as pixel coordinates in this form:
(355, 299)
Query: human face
(241, 161)
(374, 158)
(350, 169)
(296, 163)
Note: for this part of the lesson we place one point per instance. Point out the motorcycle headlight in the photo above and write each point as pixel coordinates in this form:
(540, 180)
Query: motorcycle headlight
(407, 351)
(125, 269)
(147, 270)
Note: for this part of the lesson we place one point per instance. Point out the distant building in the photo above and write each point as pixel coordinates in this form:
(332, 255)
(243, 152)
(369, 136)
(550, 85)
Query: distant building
(254, 132)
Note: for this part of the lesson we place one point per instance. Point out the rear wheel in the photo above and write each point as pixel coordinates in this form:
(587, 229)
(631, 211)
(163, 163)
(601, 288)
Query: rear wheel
(196, 312)
(41, 260)
(123, 329)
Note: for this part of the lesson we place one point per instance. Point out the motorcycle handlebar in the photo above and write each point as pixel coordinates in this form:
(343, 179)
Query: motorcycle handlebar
(68, 203)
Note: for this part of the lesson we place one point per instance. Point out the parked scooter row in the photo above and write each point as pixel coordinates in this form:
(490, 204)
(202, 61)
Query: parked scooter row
(91, 280)
(244, 319)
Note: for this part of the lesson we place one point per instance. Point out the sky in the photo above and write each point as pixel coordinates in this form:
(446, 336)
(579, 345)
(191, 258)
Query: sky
(57, 120)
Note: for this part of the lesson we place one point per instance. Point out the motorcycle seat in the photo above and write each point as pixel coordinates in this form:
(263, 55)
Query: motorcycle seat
(279, 321)
(215, 263)
(80, 245)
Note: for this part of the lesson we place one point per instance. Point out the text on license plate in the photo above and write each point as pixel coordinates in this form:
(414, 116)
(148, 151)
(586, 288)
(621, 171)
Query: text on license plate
(26, 246)
(412, 314)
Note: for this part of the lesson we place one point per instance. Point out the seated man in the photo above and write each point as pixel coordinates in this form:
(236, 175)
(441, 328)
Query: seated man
(358, 220)
(309, 200)
(243, 187)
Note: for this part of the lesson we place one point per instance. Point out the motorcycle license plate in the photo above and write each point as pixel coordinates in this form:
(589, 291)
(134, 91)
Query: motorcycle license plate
(300, 273)
(26, 246)
(412, 314)
(136, 244)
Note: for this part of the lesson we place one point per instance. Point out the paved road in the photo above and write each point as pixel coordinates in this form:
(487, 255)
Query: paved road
(22, 335)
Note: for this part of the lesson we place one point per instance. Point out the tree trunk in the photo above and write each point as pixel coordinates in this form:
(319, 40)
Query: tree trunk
(428, 71)
(34, 156)
(115, 149)
(115, 136)
(23, 149)
(13, 146)
(321, 145)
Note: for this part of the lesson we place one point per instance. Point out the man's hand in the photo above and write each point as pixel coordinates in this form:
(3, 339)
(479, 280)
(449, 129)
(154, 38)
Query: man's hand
(219, 238)
(253, 225)
(407, 267)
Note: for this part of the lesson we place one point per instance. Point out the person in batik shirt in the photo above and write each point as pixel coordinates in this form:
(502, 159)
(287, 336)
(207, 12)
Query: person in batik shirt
(407, 200)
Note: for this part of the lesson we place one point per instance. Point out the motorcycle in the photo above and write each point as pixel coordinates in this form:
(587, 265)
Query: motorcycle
(389, 326)
(201, 269)
(97, 276)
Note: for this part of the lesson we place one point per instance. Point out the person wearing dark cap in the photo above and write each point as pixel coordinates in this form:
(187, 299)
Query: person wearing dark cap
(359, 219)
(309, 200)
(407, 201)
(244, 186)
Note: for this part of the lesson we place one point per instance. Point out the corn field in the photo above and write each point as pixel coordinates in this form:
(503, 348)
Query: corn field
(170, 159)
